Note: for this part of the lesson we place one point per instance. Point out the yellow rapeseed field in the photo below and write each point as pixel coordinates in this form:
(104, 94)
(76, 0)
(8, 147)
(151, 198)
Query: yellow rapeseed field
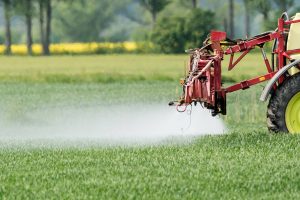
(75, 48)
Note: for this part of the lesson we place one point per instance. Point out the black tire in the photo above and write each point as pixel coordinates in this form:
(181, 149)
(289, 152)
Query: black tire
(278, 104)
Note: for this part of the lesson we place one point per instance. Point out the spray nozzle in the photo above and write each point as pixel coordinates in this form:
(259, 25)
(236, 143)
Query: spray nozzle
(171, 103)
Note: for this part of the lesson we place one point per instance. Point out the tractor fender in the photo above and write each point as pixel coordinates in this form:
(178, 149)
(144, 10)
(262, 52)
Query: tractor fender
(265, 93)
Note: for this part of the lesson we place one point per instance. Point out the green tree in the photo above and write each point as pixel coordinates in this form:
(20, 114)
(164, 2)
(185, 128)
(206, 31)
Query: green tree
(231, 19)
(28, 16)
(279, 7)
(175, 34)
(194, 3)
(7, 17)
(169, 35)
(284, 5)
(45, 19)
(189, 3)
(264, 7)
(26, 8)
(154, 7)
(197, 30)
(85, 20)
(247, 7)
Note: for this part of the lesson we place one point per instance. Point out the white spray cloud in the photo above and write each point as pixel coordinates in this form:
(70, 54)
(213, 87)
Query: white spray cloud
(112, 125)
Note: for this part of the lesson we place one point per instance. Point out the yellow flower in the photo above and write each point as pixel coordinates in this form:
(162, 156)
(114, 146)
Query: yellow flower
(75, 48)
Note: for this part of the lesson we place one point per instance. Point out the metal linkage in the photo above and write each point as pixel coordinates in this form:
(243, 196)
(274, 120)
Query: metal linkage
(204, 82)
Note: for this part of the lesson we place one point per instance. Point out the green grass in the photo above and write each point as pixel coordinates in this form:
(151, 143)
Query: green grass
(112, 68)
(247, 163)
(235, 166)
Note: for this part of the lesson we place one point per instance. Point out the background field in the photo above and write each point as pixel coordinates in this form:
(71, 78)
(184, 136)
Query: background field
(112, 68)
(248, 162)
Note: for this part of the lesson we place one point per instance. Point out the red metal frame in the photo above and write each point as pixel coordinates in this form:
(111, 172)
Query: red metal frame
(204, 83)
(248, 45)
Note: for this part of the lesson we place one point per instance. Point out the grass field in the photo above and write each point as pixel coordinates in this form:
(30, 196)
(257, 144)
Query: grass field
(246, 163)
(235, 166)
(112, 68)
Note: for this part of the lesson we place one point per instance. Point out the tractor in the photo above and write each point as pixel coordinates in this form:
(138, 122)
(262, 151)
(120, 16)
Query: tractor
(203, 82)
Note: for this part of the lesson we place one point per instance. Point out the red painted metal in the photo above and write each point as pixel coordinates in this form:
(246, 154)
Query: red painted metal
(231, 64)
(204, 81)
(292, 22)
(217, 36)
(291, 52)
(251, 43)
(246, 84)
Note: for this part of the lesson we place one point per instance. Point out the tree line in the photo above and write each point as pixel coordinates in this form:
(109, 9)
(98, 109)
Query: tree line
(99, 14)
(264, 7)
(28, 9)
(174, 34)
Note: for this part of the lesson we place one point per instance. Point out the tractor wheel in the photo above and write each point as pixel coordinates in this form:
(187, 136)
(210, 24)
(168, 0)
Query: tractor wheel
(283, 114)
